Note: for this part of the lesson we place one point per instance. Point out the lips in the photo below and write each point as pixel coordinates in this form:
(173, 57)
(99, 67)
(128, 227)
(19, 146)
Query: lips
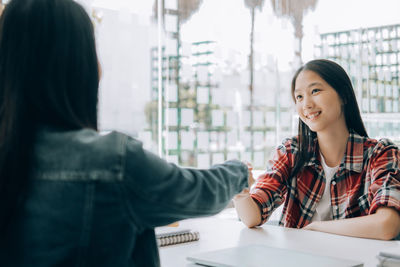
(313, 115)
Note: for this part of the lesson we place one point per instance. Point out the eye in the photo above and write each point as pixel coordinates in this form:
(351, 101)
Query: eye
(314, 91)
(298, 97)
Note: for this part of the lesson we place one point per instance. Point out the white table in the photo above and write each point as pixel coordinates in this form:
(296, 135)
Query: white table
(219, 233)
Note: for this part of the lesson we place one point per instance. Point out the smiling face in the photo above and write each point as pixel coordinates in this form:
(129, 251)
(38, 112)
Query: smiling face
(317, 103)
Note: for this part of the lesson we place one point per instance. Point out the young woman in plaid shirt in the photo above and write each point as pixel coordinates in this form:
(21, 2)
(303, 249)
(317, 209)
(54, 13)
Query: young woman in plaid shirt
(331, 177)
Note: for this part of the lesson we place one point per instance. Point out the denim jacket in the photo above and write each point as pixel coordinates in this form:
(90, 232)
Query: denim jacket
(94, 200)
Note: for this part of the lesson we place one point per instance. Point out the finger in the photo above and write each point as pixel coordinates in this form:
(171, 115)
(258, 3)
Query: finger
(249, 166)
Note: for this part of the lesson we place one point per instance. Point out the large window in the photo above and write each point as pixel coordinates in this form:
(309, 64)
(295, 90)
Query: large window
(203, 81)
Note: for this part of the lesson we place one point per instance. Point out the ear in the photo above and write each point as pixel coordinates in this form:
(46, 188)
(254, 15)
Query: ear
(344, 101)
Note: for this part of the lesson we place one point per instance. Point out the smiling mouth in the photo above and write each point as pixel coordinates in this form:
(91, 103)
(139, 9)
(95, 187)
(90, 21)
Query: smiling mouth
(313, 115)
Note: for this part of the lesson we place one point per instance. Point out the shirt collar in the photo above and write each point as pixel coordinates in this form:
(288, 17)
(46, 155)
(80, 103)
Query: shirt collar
(353, 156)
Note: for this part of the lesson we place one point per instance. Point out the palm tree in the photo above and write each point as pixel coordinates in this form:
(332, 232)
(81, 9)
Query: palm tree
(295, 10)
(252, 5)
(186, 8)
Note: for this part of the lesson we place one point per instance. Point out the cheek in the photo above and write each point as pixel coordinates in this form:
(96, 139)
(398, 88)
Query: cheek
(299, 110)
(336, 108)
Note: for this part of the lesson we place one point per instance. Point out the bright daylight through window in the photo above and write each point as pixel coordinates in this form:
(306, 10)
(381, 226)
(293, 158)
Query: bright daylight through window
(226, 69)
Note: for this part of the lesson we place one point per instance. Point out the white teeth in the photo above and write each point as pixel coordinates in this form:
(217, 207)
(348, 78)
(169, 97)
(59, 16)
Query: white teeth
(312, 116)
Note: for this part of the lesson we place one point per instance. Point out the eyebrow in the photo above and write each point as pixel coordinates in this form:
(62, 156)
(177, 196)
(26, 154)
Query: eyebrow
(310, 85)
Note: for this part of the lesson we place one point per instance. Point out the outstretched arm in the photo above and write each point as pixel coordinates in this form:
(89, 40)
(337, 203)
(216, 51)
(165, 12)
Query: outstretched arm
(246, 207)
(159, 193)
(384, 225)
(255, 208)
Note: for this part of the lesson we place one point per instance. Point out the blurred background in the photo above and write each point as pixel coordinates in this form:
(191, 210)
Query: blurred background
(203, 81)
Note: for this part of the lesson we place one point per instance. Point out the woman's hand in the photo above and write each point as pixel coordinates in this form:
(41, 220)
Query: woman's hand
(246, 208)
(250, 179)
(245, 193)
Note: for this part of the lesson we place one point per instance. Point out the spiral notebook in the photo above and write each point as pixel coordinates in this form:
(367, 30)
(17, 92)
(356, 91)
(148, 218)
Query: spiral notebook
(167, 235)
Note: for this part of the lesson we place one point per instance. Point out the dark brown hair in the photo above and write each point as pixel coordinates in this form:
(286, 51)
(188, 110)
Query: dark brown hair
(338, 79)
(48, 76)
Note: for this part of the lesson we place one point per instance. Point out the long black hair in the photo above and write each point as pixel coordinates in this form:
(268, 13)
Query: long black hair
(338, 79)
(48, 77)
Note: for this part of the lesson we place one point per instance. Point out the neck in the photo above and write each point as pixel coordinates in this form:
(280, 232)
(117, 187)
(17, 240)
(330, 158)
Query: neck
(332, 145)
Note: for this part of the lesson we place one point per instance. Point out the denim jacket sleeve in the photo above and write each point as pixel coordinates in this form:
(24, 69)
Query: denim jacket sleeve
(158, 193)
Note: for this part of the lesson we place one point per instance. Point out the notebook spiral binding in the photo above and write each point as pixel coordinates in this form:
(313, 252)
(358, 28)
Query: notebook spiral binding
(177, 239)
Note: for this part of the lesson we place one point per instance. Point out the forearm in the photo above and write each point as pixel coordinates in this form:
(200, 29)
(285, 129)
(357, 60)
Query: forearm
(384, 224)
(247, 209)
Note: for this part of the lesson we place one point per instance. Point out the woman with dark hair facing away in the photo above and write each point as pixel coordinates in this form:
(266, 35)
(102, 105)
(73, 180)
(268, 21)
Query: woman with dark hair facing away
(331, 177)
(69, 196)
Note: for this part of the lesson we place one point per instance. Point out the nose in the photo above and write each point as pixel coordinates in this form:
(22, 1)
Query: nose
(308, 103)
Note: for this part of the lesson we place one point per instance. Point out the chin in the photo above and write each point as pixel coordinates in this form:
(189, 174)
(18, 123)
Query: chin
(314, 128)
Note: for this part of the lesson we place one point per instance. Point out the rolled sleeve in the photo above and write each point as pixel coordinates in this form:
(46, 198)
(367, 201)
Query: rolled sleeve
(270, 188)
(385, 186)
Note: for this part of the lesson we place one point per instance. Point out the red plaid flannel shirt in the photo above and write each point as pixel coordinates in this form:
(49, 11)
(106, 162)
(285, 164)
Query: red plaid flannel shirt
(368, 178)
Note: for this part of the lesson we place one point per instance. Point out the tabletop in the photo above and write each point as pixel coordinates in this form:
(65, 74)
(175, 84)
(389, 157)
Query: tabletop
(219, 232)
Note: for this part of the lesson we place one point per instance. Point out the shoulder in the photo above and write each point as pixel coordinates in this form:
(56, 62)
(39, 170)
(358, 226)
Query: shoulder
(378, 145)
(84, 140)
(378, 148)
(81, 153)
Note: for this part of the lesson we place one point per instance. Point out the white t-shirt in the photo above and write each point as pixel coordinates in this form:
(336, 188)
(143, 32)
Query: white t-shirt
(323, 211)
